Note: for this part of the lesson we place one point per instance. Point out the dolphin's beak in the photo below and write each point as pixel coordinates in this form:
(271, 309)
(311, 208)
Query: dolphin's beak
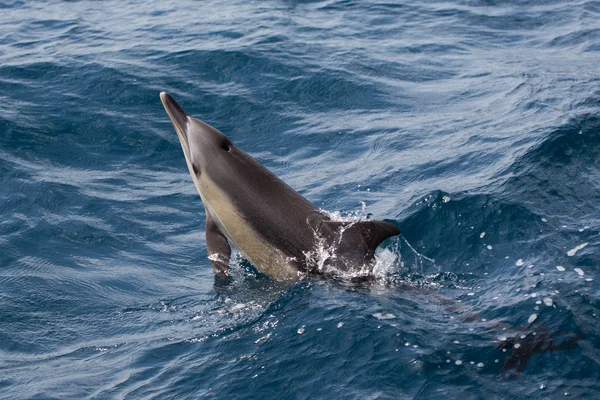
(177, 115)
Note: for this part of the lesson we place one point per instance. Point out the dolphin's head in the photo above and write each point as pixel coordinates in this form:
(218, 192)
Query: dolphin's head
(206, 150)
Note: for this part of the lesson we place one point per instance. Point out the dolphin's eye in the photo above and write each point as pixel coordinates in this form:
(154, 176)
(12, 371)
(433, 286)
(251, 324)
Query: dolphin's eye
(225, 146)
(195, 169)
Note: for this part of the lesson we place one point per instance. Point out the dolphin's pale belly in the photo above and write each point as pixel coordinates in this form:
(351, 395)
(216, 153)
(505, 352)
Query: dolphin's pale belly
(264, 256)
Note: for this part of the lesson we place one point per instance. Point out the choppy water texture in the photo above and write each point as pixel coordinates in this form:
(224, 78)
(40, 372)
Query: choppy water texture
(472, 125)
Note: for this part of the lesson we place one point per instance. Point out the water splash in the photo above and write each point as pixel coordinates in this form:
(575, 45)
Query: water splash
(349, 216)
(387, 263)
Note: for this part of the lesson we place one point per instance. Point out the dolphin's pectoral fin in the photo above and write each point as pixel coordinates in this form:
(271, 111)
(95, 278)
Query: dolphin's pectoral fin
(218, 247)
(371, 232)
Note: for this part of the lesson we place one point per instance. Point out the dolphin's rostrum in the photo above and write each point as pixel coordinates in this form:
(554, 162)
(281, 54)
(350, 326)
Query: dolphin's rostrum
(271, 225)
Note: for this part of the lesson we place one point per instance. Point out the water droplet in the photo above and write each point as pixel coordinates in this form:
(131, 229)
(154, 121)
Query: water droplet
(519, 263)
(458, 362)
(574, 250)
(340, 324)
(532, 318)
(579, 271)
(560, 268)
(482, 235)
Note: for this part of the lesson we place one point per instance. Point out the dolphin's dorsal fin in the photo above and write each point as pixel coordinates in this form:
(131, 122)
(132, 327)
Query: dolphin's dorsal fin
(371, 232)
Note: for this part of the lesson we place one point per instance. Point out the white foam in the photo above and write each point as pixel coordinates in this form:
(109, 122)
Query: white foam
(560, 268)
(579, 271)
(384, 316)
(574, 250)
(519, 263)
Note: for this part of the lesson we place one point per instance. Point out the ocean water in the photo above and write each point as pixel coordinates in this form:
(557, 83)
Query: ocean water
(474, 126)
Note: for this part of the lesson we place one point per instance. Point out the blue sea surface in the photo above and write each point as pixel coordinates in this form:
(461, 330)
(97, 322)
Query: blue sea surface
(474, 126)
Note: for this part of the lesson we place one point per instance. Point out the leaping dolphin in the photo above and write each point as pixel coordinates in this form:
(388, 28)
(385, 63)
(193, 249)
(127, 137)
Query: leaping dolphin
(272, 226)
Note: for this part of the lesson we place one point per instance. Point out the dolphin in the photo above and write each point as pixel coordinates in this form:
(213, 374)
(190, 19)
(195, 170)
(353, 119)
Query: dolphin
(276, 229)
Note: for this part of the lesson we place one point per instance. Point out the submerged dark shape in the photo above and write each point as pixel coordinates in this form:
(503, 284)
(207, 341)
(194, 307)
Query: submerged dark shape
(532, 344)
(525, 342)
(275, 228)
